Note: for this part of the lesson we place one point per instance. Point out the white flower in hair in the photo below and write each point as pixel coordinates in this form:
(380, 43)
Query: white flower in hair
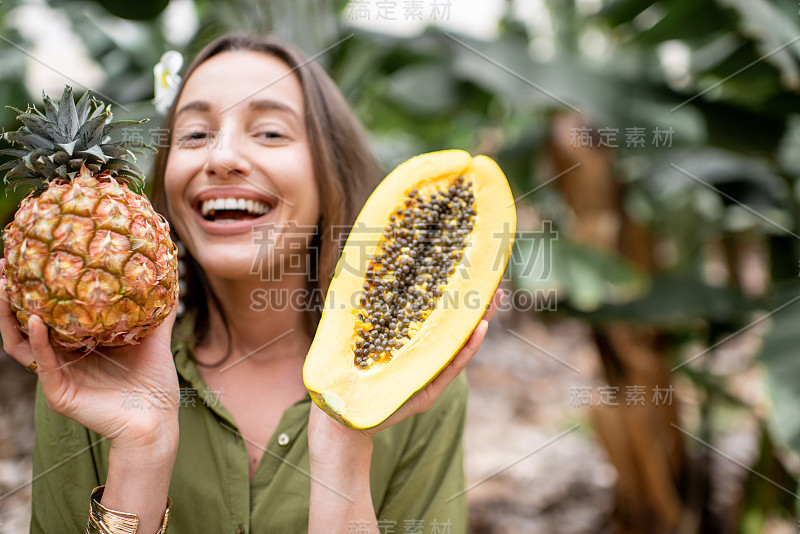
(167, 80)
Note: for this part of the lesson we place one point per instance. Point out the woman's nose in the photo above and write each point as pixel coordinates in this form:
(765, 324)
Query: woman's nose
(226, 157)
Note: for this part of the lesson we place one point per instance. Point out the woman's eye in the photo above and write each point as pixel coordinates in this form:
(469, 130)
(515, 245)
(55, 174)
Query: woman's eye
(273, 135)
(193, 137)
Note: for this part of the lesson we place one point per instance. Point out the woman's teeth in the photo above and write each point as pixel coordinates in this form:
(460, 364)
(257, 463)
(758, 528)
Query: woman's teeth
(208, 208)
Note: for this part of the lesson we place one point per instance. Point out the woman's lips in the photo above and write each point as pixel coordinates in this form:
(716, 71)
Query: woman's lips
(230, 226)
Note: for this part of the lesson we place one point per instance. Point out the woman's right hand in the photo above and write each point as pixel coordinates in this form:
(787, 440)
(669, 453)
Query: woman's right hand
(128, 394)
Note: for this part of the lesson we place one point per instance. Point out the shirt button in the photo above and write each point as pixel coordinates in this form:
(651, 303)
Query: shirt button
(283, 439)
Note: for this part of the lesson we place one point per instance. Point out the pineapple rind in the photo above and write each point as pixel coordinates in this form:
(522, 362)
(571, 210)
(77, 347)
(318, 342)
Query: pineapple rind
(94, 278)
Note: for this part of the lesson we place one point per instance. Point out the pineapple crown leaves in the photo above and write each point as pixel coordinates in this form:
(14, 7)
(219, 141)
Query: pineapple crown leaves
(54, 145)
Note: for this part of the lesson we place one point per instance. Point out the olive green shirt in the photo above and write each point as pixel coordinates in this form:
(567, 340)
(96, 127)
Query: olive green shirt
(416, 477)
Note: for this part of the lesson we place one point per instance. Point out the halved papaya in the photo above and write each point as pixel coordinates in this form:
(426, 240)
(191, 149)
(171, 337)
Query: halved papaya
(417, 273)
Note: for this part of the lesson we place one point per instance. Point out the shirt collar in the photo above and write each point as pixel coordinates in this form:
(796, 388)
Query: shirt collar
(183, 343)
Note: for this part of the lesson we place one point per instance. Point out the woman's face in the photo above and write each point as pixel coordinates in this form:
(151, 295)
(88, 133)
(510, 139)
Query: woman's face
(239, 179)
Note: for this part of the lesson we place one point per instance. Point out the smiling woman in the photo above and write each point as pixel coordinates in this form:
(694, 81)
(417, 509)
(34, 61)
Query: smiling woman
(265, 166)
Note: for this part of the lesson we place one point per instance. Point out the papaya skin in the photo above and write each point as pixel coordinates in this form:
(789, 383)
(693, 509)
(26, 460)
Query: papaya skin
(319, 400)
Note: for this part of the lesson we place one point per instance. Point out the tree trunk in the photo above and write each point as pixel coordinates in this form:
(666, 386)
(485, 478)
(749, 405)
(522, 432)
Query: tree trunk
(646, 449)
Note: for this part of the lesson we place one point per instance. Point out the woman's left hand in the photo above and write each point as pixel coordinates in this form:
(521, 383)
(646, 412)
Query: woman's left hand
(425, 398)
(340, 456)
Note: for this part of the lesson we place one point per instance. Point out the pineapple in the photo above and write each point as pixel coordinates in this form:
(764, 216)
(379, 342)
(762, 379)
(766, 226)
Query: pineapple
(85, 252)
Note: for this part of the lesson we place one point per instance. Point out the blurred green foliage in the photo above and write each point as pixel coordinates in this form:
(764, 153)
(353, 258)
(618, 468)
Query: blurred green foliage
(731, 104)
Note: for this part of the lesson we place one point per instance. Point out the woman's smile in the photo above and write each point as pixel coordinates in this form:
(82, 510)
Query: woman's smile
(233, 210)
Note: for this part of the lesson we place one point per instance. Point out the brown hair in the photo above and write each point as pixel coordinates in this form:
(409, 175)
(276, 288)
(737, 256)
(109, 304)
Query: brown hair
(343, 166)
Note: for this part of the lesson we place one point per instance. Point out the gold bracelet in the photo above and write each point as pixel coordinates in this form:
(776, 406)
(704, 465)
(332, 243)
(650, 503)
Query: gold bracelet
(105, 521)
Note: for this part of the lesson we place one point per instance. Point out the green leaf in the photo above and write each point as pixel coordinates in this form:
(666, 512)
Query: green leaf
(91, 132)
(134, 180)
(9, 165)
(50, 108)
(95, 151)
(781, 364)
(126, 171)
(775, 34)
(116, 125)
(21, 175)
(21, 170)
(69, 148)
(99, 111)
(62, 172)
(44, 167)
(679, 300)
(67, 114)
(685, 20)
(117, 152)
(17, 153)
(82, 108)
(43, 128)
(18, 111)
(618, 12)
(734, 177)
(39, 152)
(134, 145)
(115, 164)
(424, 89)
(28, 140)
(34, 182)
(545, 263)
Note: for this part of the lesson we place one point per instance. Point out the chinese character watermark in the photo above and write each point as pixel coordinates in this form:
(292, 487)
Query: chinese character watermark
(440, 527)
(532, 255)
(358, 527)
(284, 250)
(188, 398)
(133, 400)
(635, 137)
(410, 526)
(635, 395)
(414, 10)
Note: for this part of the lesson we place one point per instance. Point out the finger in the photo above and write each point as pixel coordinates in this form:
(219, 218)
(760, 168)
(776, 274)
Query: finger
(163, 333)
(459, 363)
(170, 320)
(470, 347)
(476, 338)
(41, 348)
(14, 343)
(497, 298)
(430, 393)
